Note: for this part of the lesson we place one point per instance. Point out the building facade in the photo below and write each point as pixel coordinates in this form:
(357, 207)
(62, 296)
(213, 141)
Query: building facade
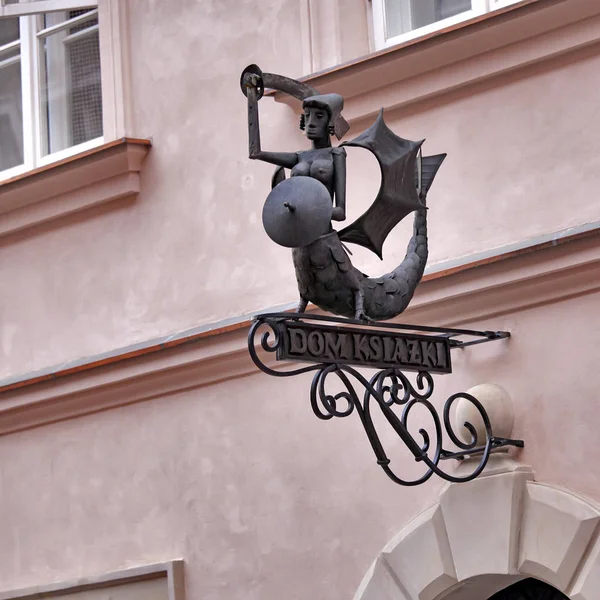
(142, 454)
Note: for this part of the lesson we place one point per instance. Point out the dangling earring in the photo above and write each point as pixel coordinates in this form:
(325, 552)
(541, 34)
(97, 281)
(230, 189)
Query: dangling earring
(302, 123)
(331, 129)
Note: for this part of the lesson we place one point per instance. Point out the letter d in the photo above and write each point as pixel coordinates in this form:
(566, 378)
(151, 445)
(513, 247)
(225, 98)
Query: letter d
(297, 341)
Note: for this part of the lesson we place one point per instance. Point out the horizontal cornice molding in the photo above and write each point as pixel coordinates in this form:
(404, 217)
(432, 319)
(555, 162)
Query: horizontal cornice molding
(108, 172)
(547, 272)
(463, 55)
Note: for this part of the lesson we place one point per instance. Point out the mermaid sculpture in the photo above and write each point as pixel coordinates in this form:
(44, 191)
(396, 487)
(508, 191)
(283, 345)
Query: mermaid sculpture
(298, 211)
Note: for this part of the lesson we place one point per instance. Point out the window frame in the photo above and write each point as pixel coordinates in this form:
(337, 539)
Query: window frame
(172, 571)
(30, 34)
(495, 4)
(478, 8)
(33, 7)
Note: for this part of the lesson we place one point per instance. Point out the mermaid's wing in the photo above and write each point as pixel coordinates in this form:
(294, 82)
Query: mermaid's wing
(429, 168)
(398, 195)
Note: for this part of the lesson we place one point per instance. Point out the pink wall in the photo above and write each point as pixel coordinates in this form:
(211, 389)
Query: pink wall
(259, 497)
(523, 160)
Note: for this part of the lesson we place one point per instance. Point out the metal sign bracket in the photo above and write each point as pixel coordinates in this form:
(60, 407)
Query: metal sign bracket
(334, 348)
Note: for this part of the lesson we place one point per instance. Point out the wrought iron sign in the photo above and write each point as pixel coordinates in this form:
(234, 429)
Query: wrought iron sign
(298, 213)
(369, 348)
(338, 346)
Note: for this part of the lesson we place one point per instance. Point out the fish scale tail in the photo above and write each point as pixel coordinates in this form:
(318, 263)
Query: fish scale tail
(389, 295)
(411, 269)
(418, 242)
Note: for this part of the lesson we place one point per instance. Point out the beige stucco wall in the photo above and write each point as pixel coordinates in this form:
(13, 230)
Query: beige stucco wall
(523, 160)
(260, 498)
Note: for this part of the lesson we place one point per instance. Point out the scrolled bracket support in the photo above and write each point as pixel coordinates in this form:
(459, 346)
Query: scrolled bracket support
(339, 390)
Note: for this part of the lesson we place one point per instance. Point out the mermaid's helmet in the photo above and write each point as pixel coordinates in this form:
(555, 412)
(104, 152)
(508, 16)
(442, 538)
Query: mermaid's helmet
(333, 104)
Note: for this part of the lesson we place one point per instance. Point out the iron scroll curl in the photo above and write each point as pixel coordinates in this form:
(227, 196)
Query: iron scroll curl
(395, 396)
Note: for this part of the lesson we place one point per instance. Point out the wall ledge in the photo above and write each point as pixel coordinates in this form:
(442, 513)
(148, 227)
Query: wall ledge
(480, 49)
(548, 272)
(171, 570)
(105, 173)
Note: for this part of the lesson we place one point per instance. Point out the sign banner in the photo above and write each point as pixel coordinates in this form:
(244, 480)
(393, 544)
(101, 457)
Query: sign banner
(363, 347)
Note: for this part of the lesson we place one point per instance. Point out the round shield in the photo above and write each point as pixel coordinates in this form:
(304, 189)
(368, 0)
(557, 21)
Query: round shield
(253, 70)
(297, 212)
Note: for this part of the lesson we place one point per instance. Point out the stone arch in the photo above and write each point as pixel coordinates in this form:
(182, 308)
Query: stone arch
(482, 536)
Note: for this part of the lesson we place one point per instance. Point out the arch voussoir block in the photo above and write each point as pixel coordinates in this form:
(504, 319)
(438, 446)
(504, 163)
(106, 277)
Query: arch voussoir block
(420, 556)
(483, 519)
(380, 584)
(558, 527)
(587, 583)
(488, 533)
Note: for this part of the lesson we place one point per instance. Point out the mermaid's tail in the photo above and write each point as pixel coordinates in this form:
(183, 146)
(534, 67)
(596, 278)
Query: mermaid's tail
(327, 278)
(387, 296)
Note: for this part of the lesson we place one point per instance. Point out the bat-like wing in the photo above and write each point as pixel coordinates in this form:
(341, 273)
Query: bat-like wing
(397, 196)
(429, 169)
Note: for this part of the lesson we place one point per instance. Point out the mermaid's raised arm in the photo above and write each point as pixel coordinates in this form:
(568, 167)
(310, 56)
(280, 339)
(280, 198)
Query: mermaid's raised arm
(253, 83)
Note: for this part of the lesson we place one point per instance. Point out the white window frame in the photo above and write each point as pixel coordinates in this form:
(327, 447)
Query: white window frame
(115, 583)
(495, 4)
(30, 35)
(33, 7)
(478, 7)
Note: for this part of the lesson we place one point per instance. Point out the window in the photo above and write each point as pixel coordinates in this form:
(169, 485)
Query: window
(396, 21)
(50, 90)
(162, 581)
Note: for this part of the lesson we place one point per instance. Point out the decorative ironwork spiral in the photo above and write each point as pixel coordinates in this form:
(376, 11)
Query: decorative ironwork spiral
(388, 390)
(270, 346)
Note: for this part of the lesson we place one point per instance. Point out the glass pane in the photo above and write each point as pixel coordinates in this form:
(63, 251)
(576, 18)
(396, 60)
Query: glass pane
(9, 30)
(11, 105)
(397, 17)
(71, 90)
(449, 8)
(405, 15)
(11, 114)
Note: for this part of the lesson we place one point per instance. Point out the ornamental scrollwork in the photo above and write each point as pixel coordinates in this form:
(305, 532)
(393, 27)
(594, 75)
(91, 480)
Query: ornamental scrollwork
(340, 390)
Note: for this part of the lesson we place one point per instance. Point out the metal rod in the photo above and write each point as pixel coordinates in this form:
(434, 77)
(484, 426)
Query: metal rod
(497, 443)
(10, 61)
(10, 47)
(489, 335)
(81, 33)
(78, 20)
